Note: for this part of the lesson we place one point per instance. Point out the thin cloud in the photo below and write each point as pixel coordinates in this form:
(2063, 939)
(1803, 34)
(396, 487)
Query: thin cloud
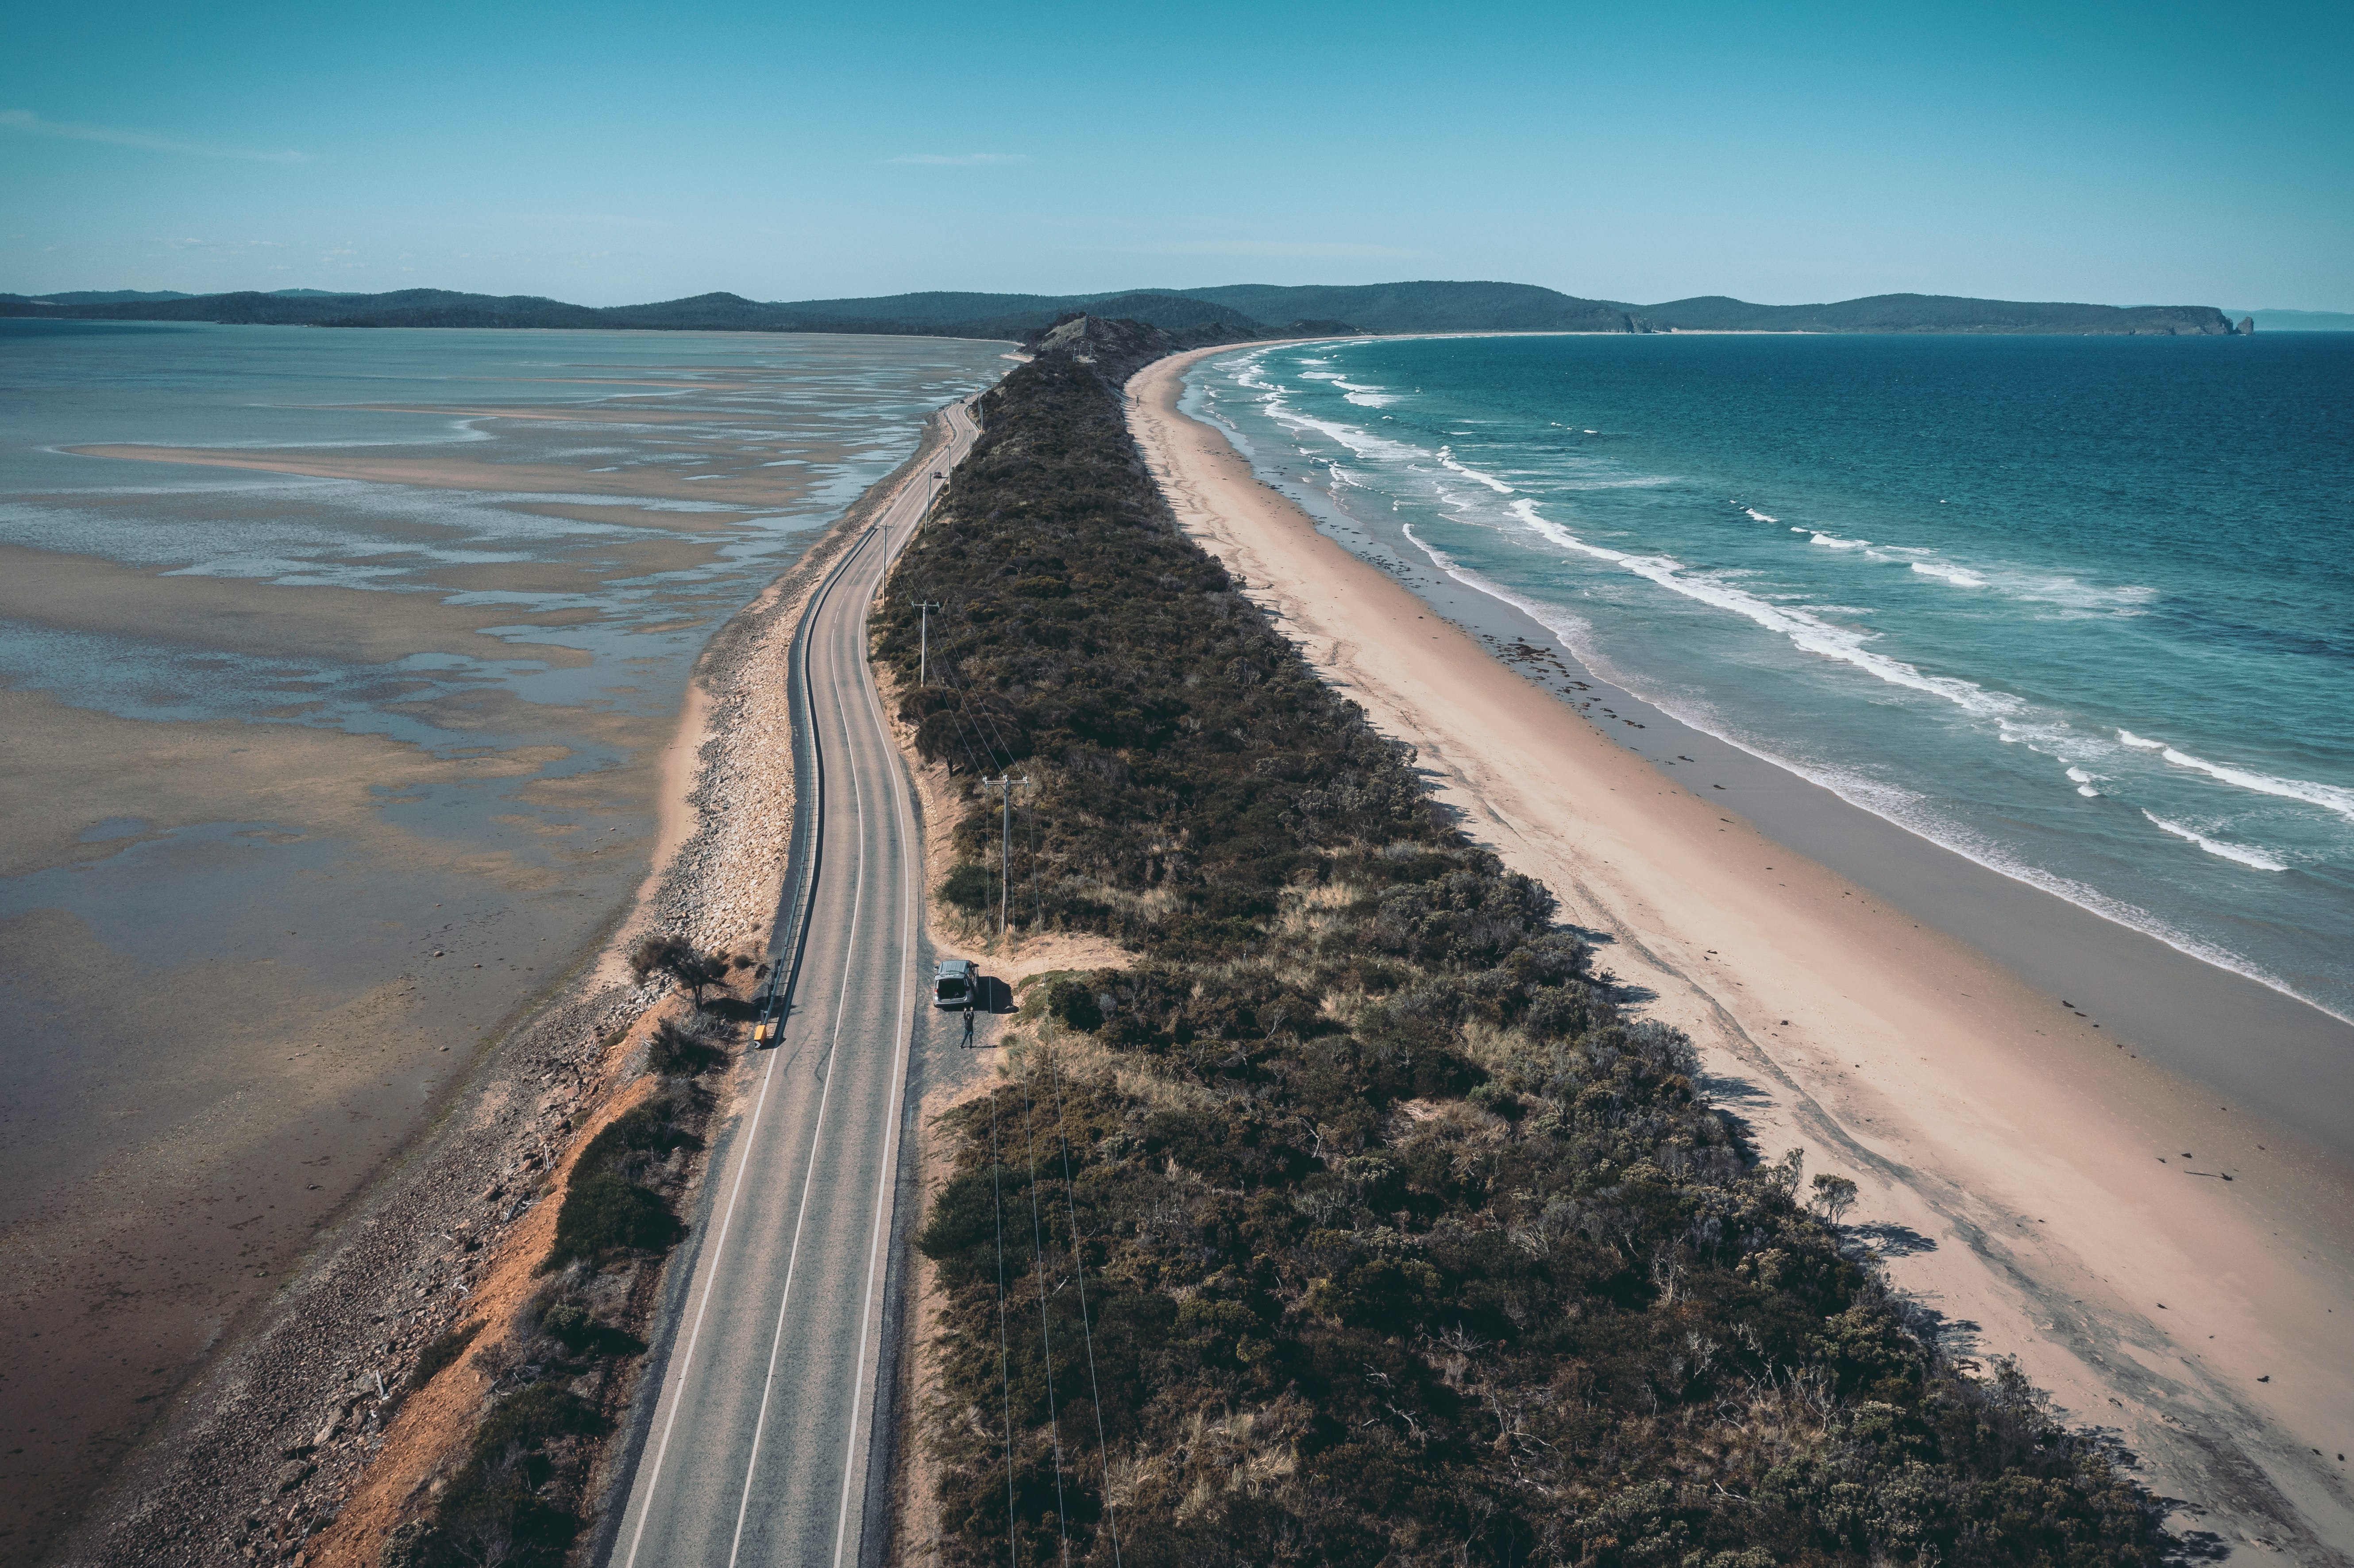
(1313, 248)
(32, 124)
(960, 160)
(222, 247)
(606, 220)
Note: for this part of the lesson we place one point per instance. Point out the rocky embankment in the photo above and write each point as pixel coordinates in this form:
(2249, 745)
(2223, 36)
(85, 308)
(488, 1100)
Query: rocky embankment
(311, 1440)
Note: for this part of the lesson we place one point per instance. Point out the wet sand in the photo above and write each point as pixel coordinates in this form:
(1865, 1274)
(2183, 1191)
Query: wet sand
(243, 964)
(2054, 1194)
(454, 474)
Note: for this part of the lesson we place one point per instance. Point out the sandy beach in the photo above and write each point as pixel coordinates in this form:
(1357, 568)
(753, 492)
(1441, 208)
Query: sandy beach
(2165, 1267)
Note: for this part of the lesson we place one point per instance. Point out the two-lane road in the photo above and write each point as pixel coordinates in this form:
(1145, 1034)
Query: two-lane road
(763, 1446)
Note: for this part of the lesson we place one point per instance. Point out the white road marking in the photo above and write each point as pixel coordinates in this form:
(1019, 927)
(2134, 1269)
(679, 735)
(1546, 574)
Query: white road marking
(817, 1136)
(915, 496)
(899, 1039)
(695, 1332)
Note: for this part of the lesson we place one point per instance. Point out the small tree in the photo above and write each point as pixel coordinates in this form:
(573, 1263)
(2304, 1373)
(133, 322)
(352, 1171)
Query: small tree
(1834, 1196)
(674, 956)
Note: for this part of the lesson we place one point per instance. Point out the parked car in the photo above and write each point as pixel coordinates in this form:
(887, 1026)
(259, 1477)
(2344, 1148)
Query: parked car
(957, 985)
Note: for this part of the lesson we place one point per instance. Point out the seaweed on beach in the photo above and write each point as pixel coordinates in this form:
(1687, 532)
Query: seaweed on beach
(1355, 1220)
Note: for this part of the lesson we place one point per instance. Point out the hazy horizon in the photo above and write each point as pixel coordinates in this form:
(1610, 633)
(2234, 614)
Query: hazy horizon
(609, 155)
(276, 286)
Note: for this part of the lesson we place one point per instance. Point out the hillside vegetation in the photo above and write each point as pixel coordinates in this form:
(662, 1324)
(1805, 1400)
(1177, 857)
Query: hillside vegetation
(1356, 1220)
(1234, 314)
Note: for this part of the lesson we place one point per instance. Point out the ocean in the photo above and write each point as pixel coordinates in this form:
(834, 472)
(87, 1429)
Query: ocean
(335, 670)
(2080, 608)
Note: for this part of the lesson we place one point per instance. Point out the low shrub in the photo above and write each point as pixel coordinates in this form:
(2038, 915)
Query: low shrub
(441, 1351)
(675, 1052)
(1385, 1236)
(495, 1509)
(972, 887)
(603, 1214)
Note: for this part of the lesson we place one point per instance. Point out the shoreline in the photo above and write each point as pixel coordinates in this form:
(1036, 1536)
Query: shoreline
(2005, 1147)
(389, 1268)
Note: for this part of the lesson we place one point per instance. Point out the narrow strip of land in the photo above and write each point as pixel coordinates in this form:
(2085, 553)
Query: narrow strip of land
(764, 1447)
(2213, 1323)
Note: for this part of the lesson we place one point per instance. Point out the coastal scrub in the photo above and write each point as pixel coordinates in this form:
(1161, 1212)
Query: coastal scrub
(1356, 1220)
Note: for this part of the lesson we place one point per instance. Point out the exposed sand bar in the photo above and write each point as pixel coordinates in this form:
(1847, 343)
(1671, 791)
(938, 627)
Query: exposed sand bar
(2015, 1145)
(313, 789)
(752, 490)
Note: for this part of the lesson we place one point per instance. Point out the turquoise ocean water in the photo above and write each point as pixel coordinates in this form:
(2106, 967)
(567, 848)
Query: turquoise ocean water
(2079, 609)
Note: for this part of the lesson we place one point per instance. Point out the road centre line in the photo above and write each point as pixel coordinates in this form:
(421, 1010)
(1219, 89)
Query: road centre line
(900, 1041)
(695, 1331)
(817, 1135)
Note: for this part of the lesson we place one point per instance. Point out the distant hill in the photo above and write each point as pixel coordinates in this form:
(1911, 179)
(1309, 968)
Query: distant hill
(1937, 314)
(1429, 307)
(2299, 321)
(94, 297)
(134, 296)
(1238, 313)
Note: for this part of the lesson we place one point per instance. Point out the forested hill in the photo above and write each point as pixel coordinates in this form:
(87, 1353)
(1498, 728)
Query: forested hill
(1938, 312)
(1238, 312)
(1013, 316)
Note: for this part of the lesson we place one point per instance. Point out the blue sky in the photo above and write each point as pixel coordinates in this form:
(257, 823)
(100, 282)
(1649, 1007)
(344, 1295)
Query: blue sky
(608, 153)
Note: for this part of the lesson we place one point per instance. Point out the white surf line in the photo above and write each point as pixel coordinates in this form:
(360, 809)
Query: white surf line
(899, 1043)
(817, 1142)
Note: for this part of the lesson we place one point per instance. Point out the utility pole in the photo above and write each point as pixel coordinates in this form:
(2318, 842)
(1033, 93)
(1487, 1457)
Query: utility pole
(923, 639)
(1006, 782)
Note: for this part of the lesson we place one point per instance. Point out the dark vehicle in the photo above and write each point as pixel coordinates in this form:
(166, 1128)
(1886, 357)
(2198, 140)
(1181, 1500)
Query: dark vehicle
(958, 984)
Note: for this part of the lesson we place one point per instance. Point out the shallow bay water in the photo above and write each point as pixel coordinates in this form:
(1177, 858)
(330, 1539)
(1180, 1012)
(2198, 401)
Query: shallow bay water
(335, 670)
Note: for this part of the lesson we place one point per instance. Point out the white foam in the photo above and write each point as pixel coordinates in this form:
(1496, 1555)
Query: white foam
(1960, 577)
(2240, 853)
(1805, 630)
(1834, 542)
(2083, 783)
(1760, 516)
(1906, 810)
(1446, 457)
(2328, 797)
(1891, 804)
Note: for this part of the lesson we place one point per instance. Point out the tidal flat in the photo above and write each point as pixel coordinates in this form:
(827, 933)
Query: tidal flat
(336, 667)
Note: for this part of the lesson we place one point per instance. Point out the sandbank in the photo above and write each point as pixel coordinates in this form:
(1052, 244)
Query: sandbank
(2026, 1175)
(752, 488)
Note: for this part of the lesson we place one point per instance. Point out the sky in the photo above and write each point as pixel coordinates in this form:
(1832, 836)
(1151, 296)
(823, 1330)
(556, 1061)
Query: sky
(608, 153)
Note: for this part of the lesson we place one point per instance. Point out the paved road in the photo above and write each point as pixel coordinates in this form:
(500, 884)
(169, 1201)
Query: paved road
(764, 1447)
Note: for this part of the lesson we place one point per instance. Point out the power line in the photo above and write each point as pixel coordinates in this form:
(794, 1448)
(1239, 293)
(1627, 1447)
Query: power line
(924, 609)
(1079, 1268)
(1005, 783)
(1045, 1331)
(1004, 1336)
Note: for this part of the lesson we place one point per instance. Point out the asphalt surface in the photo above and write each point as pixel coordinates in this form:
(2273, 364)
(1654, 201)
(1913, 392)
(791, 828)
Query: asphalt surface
(764, 1446)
